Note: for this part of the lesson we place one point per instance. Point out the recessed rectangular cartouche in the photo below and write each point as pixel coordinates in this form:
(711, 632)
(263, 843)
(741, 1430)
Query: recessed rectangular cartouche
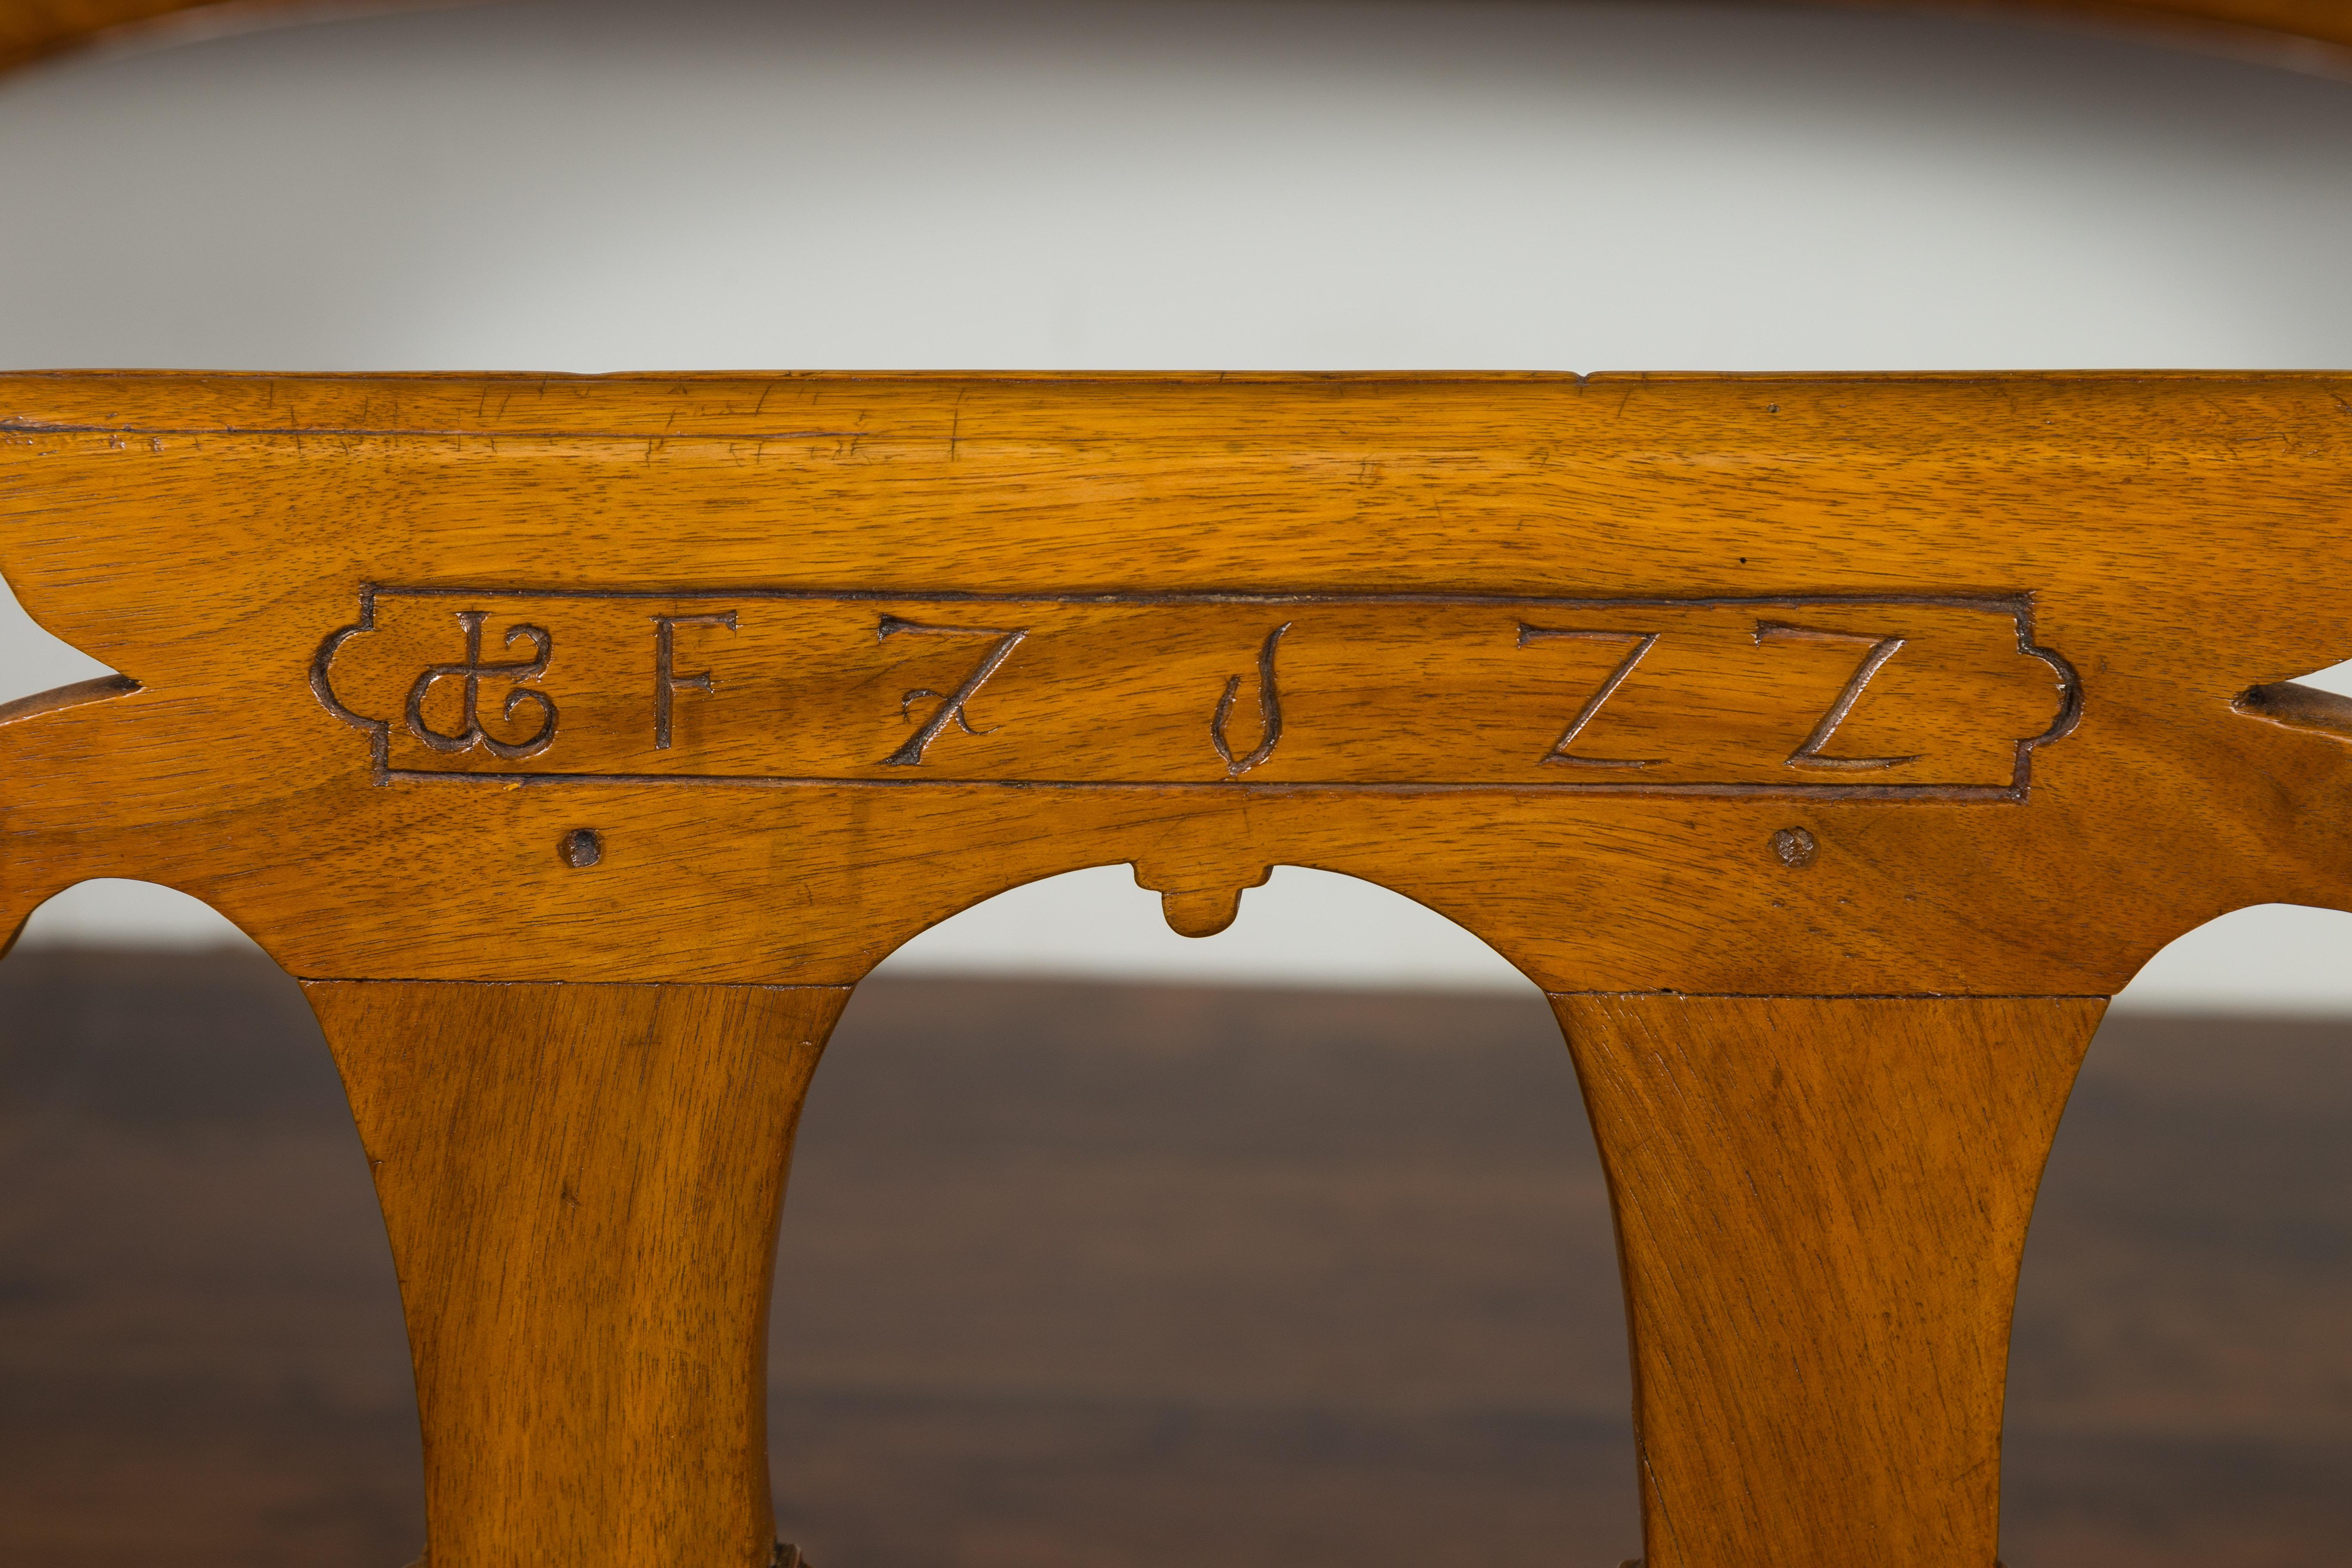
(1844, 696)
(1745, 686)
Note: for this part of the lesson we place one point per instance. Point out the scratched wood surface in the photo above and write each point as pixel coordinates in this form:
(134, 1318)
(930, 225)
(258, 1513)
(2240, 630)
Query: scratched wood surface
(1827, 747)
(1676, 683)
(33, 29)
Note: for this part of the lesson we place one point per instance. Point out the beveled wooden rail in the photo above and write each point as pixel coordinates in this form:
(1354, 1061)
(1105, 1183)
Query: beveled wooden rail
(1828, 748)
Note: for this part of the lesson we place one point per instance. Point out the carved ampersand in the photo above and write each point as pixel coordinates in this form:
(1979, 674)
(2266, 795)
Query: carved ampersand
(1364, 692)
(468, 672)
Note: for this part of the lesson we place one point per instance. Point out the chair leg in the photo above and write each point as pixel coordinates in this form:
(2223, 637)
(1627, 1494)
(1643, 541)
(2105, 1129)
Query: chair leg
(1820, 1203)
(582, 1184)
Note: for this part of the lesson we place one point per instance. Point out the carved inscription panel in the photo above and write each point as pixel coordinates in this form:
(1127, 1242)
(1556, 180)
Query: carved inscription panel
(1937, 697)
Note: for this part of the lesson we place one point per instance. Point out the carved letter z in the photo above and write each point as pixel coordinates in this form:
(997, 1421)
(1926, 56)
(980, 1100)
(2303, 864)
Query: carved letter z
(950, 708)
(1642, 642)
(1809, 754)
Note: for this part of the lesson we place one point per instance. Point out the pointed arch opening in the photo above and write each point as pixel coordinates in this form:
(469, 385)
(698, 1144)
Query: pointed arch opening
(2180, 1388)
(202, 1358)
(1301, 928)
(125, 915)
(1108, 1244)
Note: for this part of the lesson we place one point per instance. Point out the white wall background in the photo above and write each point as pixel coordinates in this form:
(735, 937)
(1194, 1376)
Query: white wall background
(680, 183)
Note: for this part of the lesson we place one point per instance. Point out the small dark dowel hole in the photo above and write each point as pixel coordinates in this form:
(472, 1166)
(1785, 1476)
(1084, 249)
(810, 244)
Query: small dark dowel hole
(581, 848)
(1794, 846)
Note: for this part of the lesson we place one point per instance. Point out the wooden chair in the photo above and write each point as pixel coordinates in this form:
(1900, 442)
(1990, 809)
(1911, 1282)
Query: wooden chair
(580, 741)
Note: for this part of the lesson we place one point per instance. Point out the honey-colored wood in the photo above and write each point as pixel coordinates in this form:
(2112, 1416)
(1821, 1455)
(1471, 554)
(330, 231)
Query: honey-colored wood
(1829, 747)
(2095, 579)
(2313, 34)
(1820, 1204)
(2310, 32)
(35, 29)
(582, 1184)
(762, 688)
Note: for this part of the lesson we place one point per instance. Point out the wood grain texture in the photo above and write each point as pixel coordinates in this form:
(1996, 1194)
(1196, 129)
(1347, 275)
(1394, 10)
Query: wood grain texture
(1828, 746)
(2148, 536)
(1820, 1204)
(33, 29)
(582, 1184)
(1127, 692)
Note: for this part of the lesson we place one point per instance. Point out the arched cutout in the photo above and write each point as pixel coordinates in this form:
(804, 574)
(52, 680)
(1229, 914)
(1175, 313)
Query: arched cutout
(2178, 1369)
(2271, 959)
(1302, 928)
(204, 1358)
(123, 912)
(1073, 1268)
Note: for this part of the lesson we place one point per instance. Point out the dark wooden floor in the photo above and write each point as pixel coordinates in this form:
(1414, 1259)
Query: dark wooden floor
(1125, 1275)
